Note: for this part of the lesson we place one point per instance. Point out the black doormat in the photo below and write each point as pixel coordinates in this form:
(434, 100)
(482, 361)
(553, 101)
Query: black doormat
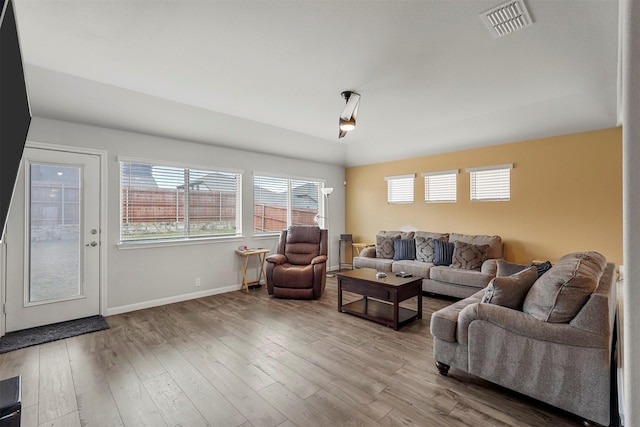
(57, 331)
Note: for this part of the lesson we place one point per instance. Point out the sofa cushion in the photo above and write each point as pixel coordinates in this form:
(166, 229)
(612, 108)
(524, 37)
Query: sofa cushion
(494, 242)
(404, 249)
(510, 291)
(413, 267)
(442, 252)
(559, 294)
(468, 256)
(424, 244)
(460, 276)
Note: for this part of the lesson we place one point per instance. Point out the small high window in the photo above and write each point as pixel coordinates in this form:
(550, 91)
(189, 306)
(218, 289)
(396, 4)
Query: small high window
(491, 183)
(440, 187)
(400, 188)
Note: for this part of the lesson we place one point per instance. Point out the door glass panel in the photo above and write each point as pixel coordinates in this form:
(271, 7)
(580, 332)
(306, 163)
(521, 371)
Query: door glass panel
(54, 232)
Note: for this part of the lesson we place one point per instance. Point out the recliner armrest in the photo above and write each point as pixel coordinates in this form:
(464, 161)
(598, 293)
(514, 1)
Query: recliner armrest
(276, 259)
(319, 259)
(523, 324)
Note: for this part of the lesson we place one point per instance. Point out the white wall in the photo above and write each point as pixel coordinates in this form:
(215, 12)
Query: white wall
(146, 276)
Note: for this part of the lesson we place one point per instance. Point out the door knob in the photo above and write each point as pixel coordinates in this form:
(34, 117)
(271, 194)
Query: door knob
(92, 244)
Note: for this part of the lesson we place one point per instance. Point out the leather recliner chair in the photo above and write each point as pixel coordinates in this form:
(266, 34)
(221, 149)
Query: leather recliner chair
(298, 269)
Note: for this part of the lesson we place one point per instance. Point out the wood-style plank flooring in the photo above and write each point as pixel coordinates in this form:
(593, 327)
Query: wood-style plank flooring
(250, 360)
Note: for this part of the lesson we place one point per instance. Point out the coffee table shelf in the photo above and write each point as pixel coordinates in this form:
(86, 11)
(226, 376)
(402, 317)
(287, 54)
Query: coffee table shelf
(381, 297)
(379, 312)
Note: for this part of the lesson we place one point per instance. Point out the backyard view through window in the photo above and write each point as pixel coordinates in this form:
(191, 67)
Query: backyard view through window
(281, 202)
(169, 202)
(54, 218)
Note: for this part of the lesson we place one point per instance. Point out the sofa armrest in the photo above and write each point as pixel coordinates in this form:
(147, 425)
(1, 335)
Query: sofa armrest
(520, 323)
(490, 266)
(369, 252)
(276, 259)
(319, 259)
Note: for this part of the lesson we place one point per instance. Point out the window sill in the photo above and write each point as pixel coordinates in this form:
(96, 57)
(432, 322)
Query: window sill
(177, 242)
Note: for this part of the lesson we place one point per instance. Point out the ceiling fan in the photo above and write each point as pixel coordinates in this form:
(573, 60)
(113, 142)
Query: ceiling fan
(348, 116)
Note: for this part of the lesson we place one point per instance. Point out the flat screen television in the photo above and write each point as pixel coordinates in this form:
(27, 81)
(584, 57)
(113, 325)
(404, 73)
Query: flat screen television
(15, 114)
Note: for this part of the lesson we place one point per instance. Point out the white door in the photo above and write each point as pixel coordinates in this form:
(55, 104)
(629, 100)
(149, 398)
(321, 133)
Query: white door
(53, 240)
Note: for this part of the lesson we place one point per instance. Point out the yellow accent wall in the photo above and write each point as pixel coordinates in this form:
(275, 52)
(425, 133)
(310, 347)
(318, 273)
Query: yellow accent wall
(566, 196)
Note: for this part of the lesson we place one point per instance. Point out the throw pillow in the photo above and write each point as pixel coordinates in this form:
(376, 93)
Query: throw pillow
(542, 267)
(510, 291)
(559, 294)
(384, 244)
(506, 268)
(404, 249)
(442, 252)
(468, 256)
(424, 248)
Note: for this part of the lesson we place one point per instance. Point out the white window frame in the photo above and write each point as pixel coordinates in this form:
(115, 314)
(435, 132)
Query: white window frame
(490, 183)
(186, 237)
(319, 217)
(400, 188)
(441, 186)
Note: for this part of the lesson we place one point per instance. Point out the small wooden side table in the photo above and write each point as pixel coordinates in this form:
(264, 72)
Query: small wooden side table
(246, 255)
(360, 246)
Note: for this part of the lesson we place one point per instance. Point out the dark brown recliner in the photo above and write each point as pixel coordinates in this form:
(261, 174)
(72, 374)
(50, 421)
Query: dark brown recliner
(299, 269)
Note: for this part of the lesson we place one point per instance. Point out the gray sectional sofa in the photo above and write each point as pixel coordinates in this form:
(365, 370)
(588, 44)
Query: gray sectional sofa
(472, 268)
(548, 337)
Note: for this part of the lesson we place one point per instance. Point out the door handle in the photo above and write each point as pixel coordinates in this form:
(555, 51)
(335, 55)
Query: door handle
(92, 244)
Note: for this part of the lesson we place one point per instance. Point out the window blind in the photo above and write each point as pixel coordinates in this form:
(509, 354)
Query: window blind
(440, 186)
(400, 188)
(491, 183)
(169, 202)
(279, 202)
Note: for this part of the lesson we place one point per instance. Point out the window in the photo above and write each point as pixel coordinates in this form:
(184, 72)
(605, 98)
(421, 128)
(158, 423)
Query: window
(400, 188)
(491, 183)
(279, 202)
(440, 186)
(172, 202)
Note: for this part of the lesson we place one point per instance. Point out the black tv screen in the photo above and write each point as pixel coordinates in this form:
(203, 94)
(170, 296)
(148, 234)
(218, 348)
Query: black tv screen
(15, 114)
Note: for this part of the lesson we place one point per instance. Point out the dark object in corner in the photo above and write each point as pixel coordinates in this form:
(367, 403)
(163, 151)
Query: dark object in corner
(10, 402)
(542, 267)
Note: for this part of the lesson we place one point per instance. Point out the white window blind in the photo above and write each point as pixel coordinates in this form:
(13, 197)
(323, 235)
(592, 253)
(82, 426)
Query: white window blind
(172, 202)
(492, 183)
(400, 188)
(280, 202)
(440, 186)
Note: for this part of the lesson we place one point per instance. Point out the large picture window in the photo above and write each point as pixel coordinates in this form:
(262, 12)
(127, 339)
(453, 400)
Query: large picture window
(279, 202)
(174, 202)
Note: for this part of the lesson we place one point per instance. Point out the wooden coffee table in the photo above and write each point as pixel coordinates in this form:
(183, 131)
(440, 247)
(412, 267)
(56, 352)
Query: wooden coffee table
(381, 298)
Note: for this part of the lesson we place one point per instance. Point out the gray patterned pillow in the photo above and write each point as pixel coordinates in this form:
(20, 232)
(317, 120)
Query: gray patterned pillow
(424, 249)
(384, 244)
(468, 256)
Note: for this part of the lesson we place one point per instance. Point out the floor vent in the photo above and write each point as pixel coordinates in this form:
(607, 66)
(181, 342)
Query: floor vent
(507, 18)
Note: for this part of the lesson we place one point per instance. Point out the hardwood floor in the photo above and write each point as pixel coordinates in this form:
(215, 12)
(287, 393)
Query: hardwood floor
(250, 360)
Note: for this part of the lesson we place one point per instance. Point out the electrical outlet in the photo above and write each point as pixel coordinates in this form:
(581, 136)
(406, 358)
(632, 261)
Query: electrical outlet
(197, 281)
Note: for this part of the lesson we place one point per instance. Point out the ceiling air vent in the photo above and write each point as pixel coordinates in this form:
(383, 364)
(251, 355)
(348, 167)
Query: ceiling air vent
(507, 18)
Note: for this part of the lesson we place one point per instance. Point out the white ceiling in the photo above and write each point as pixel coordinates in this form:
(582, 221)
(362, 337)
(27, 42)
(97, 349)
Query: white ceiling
(266, 76)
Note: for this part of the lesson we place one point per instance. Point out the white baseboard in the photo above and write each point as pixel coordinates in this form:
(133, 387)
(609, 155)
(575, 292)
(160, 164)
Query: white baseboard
(169, 300)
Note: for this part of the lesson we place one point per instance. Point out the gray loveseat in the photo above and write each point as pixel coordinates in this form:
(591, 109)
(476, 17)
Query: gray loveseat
(549, 337)
(473, 271)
